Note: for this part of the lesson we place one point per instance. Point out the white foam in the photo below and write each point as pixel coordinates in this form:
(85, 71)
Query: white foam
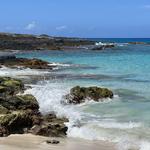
(133, 144)
(49, 96)
(100, 130)
(83, 132)
(103, 44)
(118, 125)
(60, 64)
(5, 71)
(145, 145)
(104, 100)
(122, 44)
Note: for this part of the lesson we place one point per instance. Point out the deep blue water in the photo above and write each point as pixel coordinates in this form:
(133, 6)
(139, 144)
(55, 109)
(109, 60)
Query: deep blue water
(122, 40)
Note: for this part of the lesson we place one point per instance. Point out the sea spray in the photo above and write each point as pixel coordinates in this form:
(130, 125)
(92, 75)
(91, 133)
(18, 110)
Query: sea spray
(83, 124)
(5, 71)
(49, 96)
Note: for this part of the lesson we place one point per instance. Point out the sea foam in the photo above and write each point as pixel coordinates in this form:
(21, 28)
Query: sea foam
(5, 71)
(49, 95)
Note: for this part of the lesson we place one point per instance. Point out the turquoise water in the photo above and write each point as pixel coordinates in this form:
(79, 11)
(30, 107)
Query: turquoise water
(124, 69)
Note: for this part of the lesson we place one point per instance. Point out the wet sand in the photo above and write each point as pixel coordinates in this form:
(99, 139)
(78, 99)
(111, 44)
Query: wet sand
(31, 142)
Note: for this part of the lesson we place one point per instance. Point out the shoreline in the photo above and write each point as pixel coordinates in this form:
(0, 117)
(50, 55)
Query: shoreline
(32, 142)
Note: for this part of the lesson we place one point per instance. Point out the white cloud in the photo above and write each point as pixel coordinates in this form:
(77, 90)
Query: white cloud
(147, 6)
(61, 28)
(31, 26)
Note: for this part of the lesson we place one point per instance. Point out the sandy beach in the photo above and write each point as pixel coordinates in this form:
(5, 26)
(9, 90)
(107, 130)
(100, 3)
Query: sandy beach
(31, 142)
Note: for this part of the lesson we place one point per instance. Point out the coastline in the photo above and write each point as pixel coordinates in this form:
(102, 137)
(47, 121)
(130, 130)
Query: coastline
(32, 142)
(118, 128)
(41, 125)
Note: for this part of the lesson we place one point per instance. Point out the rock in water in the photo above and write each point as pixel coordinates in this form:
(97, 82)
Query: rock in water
(80, 94)
(25, 63)
(10, 87)
(20, 102)
(50, 126)
(103, 46)
(136, 43)
(15, 122)
(20, 113)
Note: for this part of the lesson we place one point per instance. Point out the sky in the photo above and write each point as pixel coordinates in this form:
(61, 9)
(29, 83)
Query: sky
(77, 18)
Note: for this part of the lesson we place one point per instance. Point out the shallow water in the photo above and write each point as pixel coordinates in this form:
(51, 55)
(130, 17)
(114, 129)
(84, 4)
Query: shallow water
(125, 70)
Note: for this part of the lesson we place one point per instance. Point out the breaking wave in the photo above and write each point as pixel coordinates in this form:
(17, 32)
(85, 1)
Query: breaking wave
(80, 125)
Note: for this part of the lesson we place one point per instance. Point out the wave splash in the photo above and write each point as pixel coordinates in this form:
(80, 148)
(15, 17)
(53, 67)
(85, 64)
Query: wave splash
(49, 95)
(5, 71)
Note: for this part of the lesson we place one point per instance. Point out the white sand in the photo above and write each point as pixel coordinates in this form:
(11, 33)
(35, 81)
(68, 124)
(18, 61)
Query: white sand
(31, 142)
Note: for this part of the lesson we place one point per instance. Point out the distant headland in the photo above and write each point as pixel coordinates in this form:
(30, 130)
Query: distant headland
(12, 41)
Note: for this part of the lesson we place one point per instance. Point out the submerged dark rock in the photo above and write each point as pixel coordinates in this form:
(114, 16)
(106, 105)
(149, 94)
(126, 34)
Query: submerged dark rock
(80, 94)
(5, 55)
(102, 47)
(20, 113)
(137, 43)
(25, 63)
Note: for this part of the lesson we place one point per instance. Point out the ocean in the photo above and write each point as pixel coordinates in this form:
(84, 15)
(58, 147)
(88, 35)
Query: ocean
(124, 69)
(121, 40)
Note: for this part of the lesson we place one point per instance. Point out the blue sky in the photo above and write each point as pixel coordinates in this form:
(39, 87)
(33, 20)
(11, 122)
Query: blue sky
(80, 18)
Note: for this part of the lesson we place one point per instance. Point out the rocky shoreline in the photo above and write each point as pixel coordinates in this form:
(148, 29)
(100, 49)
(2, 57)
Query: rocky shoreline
(20, 113)
(10, 41)
(27, 42)
(14, 62)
